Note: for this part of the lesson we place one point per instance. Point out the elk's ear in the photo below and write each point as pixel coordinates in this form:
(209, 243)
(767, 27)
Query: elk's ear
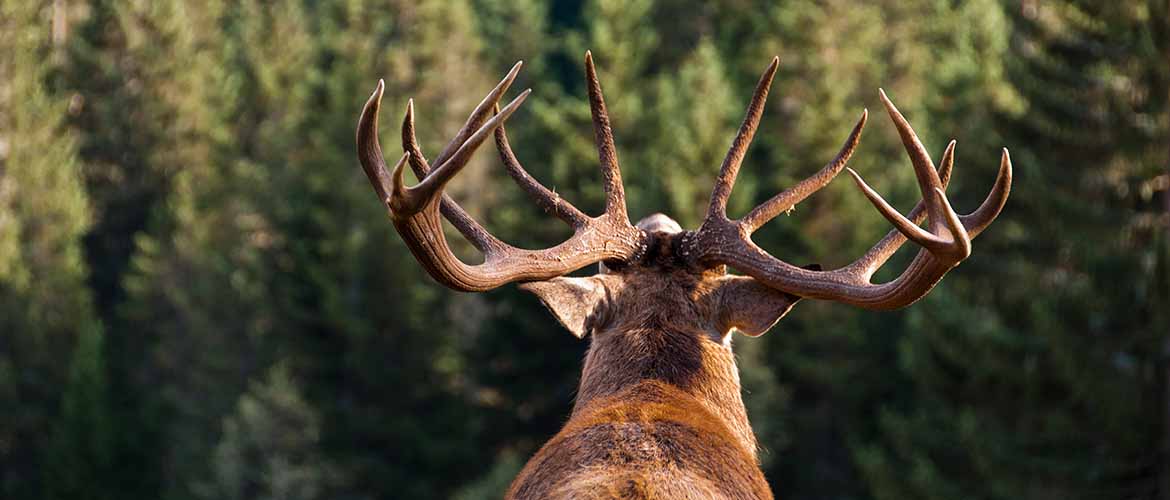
(750, 307)
(576, 302)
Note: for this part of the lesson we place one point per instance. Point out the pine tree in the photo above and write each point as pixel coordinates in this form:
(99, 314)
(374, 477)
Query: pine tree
(132, 72)
(80, 461)
(269, 447)
(368, 314)
(1045, 378)
(513, 30)
(690, 126)
(276, 252)
(44, 305)
(121, 67)
(198, 302)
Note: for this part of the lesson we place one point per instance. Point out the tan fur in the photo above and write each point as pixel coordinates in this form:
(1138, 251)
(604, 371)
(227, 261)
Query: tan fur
(659, 413)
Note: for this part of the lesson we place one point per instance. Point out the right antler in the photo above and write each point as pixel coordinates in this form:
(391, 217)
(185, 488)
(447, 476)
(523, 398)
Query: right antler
(415, 210)
(946, 242)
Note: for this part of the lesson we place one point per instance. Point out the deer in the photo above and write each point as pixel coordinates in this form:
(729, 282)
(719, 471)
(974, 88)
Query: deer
(659, 412)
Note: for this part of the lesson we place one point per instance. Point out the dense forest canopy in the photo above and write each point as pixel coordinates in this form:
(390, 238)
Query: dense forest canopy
(200, 297)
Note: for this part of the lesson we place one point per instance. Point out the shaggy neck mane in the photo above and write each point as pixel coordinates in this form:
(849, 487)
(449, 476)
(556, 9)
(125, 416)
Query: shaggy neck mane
(651, 358)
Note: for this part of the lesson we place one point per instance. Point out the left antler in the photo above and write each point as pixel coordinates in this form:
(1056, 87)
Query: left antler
(945, 243)
(415, 210)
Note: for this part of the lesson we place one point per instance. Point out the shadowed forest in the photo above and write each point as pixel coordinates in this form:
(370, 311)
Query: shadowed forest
(202, 298)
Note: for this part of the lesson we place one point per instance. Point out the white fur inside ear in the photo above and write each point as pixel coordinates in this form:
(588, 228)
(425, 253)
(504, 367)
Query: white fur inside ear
(750, 307)
(573, 301)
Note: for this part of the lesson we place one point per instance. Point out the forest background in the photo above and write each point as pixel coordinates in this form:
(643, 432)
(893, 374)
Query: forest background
(200, 297)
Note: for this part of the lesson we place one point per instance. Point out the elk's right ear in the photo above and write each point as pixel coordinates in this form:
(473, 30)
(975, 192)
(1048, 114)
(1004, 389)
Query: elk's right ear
(751, 307)
(574, 301)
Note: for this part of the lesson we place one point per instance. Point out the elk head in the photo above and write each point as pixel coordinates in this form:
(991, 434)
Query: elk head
(662, 308)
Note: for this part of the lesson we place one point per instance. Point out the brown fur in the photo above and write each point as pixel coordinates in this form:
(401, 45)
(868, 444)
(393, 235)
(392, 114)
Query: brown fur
(659, 413)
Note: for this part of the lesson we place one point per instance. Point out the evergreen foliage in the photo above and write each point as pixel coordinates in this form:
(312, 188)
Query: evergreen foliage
(45, 305)
(200, 298)
(1059, 393)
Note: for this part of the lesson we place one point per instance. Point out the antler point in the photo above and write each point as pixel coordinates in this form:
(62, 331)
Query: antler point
(399, 182)
(377, 95)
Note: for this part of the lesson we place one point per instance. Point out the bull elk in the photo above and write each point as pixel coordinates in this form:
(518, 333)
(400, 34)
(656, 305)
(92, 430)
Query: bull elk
(658, 412)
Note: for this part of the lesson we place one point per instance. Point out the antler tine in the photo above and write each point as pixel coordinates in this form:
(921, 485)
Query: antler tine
(615, 195)
(944, 245)
(479, 237)
(418, 162)
(885, 248)
(439, 177)
(790, 197)
(481, 113)
(977, 221)
(923, 166)
(369, 151)
(546, 199)
(747, 130)
(415, 211)
(908, 228)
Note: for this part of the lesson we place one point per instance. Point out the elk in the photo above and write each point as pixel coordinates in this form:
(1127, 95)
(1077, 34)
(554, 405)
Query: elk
(659, 412)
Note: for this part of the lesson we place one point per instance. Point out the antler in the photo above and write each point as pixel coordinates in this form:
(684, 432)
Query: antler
(415, 210)
(945, 242)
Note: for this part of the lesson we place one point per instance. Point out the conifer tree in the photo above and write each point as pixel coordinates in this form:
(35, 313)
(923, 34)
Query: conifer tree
(134, 71)
(121, 65)
(268, 449)
(1046, 378)
(44, 305)
(80, 461)
(276, 250)
(690, 126)
(198, 297)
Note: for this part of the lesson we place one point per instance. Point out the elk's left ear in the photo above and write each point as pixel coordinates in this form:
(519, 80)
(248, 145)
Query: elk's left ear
(750, 307)
(576, 302)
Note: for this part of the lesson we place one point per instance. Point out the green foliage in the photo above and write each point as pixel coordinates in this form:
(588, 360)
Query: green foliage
(253, 328)
(1054, 389)
(44, 303)
(269, 447)
(80, 458)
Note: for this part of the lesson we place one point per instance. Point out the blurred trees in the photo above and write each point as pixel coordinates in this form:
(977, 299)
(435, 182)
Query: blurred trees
(45, 306)
(1057, 389)
(199, 297)
(269, 448)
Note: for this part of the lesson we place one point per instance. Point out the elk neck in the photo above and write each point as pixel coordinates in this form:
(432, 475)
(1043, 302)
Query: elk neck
(654, 342)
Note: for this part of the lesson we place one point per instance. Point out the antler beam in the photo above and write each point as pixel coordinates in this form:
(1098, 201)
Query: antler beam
(945, 242)
(415, 210)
